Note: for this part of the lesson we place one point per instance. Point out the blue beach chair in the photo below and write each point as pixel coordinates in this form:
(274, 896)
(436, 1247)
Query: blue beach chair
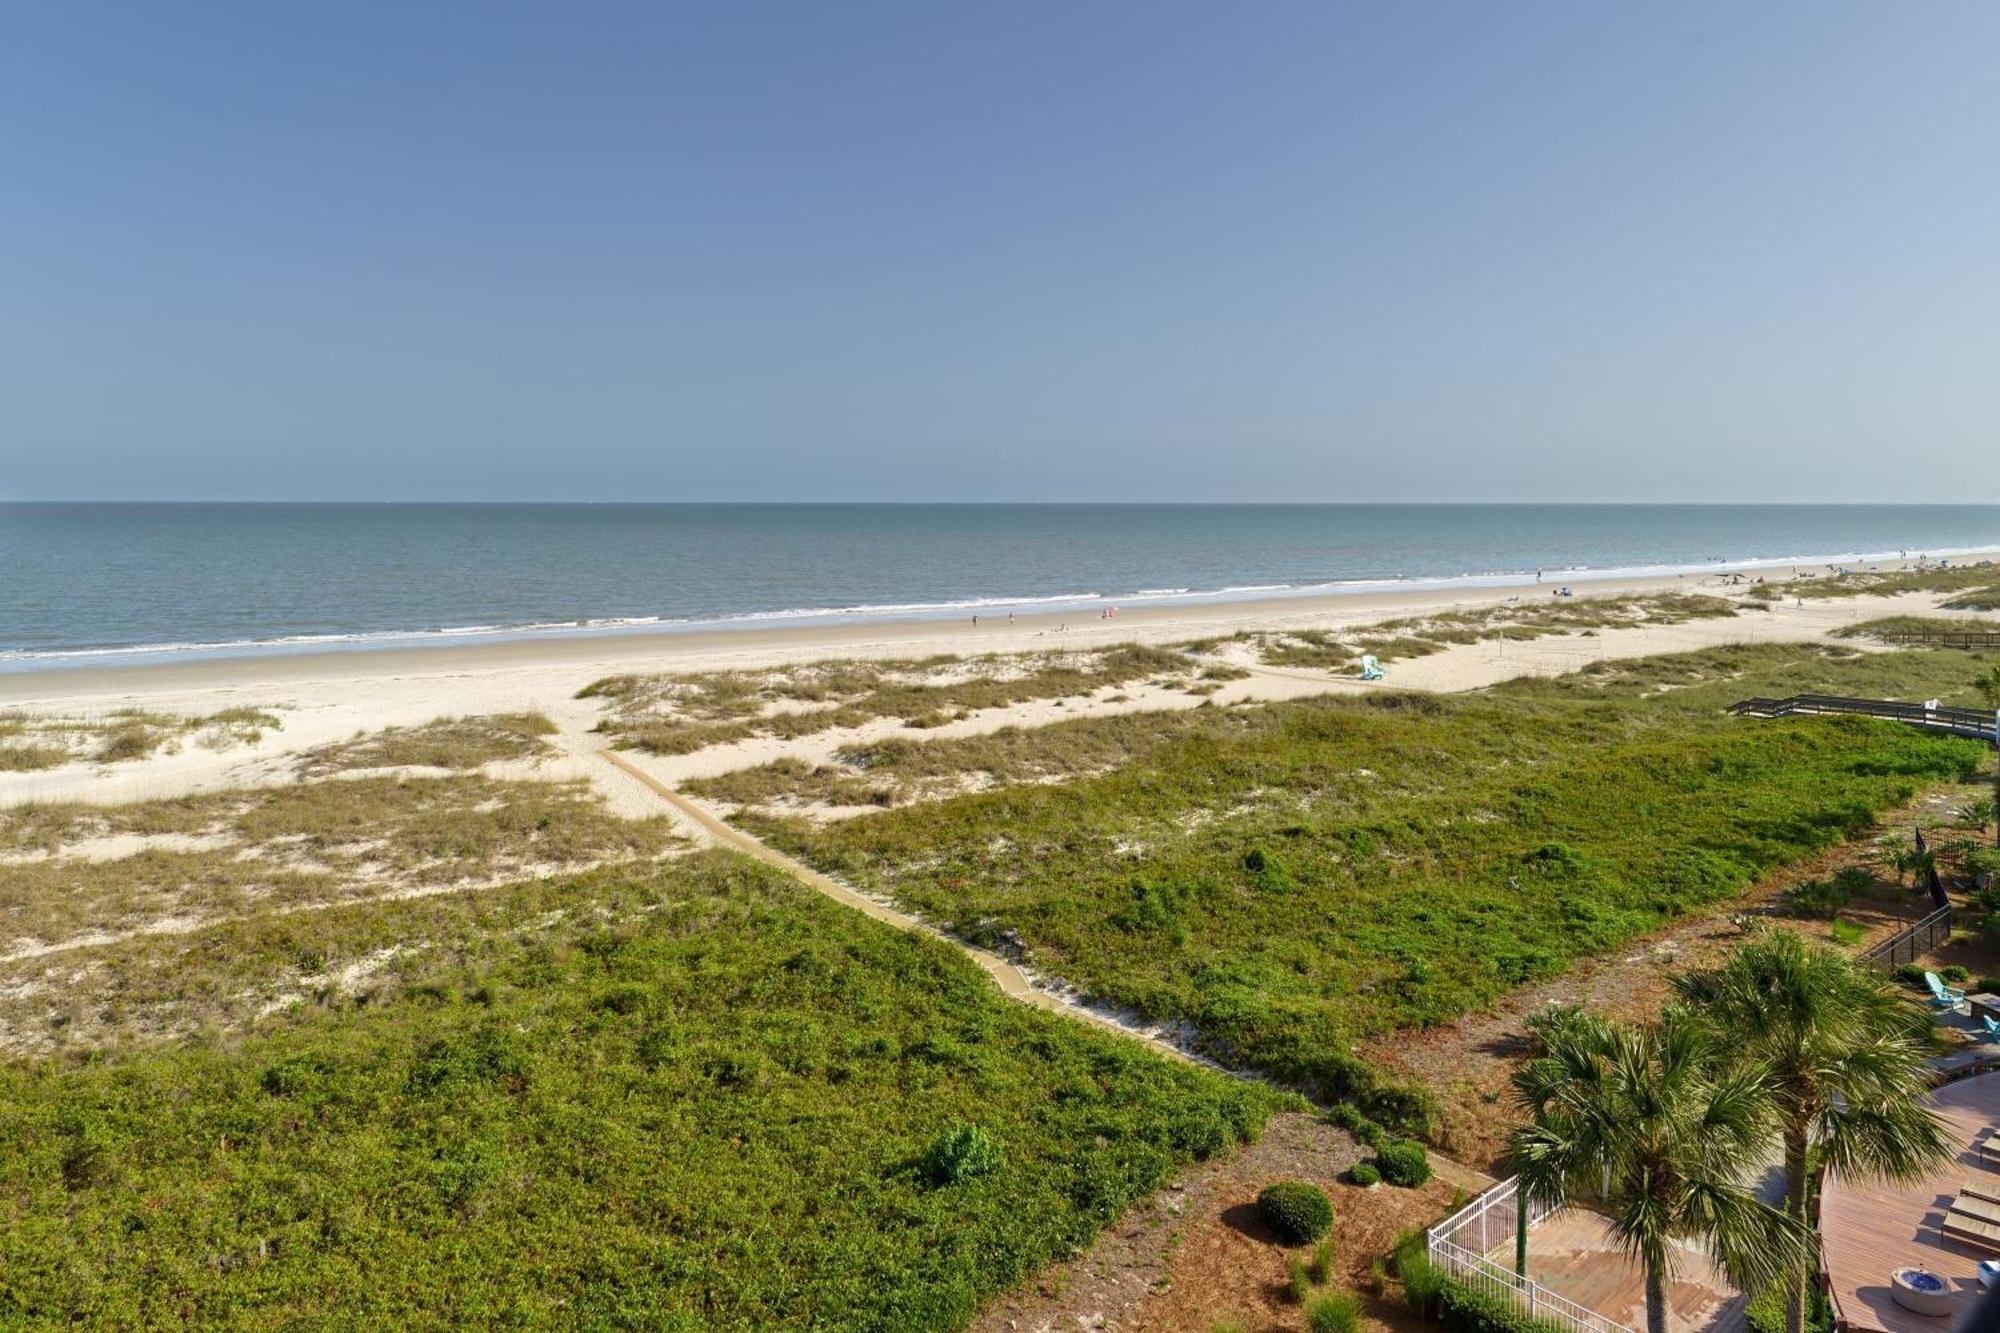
(1370, 668)
(1992, 1028)
(1943, 996)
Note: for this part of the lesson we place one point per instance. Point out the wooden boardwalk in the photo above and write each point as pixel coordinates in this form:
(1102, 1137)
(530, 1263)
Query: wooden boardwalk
(1574, 1255)
(1868, 1229)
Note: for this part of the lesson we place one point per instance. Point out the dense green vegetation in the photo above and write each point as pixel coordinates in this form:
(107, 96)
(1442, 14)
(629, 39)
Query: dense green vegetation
(691, 1098)
(1321, 870)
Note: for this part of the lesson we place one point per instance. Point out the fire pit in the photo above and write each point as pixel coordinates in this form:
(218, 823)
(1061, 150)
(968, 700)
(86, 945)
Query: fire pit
(1920, 1291)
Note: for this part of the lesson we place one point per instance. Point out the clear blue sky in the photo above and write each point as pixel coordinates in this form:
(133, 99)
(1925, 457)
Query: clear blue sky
(1001, 251)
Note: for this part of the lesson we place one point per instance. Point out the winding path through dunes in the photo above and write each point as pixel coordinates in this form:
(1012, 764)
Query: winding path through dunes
(1012, 981)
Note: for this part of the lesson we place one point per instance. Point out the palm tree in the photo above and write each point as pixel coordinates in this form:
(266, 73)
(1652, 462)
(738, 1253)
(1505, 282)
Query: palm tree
(1647, 1119)
(1843, 1058)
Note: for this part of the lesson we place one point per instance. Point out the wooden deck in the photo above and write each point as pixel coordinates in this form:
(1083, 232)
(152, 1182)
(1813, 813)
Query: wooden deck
(1574, 1255)
(1869, 1229)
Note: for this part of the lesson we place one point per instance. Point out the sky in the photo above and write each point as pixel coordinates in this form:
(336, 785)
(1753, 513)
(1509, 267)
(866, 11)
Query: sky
(1021, 251)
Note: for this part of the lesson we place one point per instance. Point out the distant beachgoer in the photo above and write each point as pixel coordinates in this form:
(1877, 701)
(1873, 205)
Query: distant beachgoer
(1010, 617)
(975, 620)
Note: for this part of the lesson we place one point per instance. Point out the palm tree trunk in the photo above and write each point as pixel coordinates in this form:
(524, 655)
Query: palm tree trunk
(1656, 1300)
(1795, 1204)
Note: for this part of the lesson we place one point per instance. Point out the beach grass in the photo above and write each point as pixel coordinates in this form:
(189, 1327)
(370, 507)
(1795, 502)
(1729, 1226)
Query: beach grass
(1338, 868)
(216, 856)
(694, 1097)
(678, 714)
(449, 742)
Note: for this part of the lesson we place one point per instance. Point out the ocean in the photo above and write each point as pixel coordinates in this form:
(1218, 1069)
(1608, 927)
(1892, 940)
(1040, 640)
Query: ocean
(84, 584)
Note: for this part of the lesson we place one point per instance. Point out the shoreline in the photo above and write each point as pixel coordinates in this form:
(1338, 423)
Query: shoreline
(716, 645)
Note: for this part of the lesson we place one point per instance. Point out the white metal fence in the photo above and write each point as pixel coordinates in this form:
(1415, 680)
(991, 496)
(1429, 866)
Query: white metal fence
(1462, 1244)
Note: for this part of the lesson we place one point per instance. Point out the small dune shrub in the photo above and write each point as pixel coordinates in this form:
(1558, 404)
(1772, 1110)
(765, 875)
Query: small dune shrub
(1298, 1212)
(1298, 1282)
(1815, 898)
(1364, 1174)
(958, 1155)
(1321, 1267)
(1404, 1163)
(1852, 880)
(1333, 1312)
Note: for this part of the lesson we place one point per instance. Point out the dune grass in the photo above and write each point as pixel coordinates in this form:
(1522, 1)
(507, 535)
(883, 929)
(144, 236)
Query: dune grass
(1345, 867)
(39, 741)
(899, 770)
(1420, 636)
(449, 742)
(681, 714)
(1974, 582)
(298, 845)
(1888, 625)
(695, 1098)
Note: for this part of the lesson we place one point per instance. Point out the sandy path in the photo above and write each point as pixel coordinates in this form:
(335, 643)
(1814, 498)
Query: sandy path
(1012, 980)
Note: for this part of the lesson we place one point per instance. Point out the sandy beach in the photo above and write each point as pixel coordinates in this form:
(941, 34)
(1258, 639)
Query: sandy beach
(329, 696)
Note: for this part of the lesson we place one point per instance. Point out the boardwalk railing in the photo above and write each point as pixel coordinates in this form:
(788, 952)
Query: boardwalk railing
(1973, 723)
(1460, 1244)
(1948, 638)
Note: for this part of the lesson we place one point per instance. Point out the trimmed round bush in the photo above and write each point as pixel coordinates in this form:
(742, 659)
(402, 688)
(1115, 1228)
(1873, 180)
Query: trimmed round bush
(1404, 1163)
(958, 1155)
(1363, 1174)
(1298, 1212)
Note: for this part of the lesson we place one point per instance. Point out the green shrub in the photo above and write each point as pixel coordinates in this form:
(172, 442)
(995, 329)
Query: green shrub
(1364, 1174)
(1298, 1212)
(1351, 1118)
(1229, 1324)
(1333, 1312)
(1852, 880)
(1818, 898)
(1438, 1296)
(958, 1155)
(1954, 973)
(1404, 1163)
(1910, 975)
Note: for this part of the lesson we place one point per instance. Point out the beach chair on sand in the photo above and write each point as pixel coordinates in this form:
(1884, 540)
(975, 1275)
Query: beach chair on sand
(1943, 996)
(1371, 669)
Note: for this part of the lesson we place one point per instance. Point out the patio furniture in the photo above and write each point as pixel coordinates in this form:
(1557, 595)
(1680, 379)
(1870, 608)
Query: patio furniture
(1975, 1205)
(1984, 1193)
(1371, 668)
(1920, 1291)
(1992, 1027)
(1989, 1272)
(1984, 1005)
(1972, 1230)
(1943, 996)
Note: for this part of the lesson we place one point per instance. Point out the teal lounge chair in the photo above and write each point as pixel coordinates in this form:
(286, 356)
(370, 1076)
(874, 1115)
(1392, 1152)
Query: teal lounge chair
(1992, 1028)
(1943, 996)
(1370, 668)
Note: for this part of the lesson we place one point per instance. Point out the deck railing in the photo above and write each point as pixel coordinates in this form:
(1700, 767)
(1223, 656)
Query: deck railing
(1460, 1244)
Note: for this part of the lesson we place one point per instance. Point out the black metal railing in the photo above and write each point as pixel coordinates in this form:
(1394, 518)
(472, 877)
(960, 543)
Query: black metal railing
(1907, 946)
